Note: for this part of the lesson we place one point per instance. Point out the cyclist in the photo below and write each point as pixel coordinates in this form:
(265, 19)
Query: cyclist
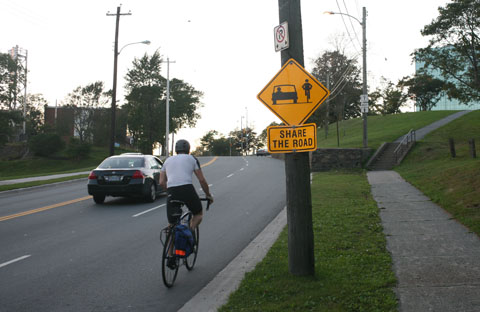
(176, 177)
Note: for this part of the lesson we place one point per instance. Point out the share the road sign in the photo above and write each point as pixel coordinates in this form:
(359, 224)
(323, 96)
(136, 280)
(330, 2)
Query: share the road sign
(290, 139)
(293, 94)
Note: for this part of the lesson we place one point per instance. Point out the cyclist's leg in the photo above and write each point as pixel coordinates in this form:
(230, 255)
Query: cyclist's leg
(173, 211)
(196, 220)
(194, 205)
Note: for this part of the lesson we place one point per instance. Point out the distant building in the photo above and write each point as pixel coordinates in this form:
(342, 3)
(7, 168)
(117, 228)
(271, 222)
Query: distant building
(62, 118)
(445, 103)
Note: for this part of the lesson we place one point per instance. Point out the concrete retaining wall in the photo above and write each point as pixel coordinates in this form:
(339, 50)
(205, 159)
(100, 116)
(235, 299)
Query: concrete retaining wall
(325, 159)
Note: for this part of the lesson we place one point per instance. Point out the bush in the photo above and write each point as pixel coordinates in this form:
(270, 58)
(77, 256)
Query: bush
(46, 144)
(77, 149)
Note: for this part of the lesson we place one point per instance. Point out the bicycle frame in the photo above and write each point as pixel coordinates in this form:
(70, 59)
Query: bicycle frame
(169, 274)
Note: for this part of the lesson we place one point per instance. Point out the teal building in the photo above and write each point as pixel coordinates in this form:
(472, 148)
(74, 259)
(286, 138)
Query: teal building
(445, 103)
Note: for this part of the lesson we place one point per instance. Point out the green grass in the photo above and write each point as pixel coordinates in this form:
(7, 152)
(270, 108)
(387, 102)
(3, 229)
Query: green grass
(39, 166)
(379, 129)
(453, 183)
(353, 268)
(37, 183)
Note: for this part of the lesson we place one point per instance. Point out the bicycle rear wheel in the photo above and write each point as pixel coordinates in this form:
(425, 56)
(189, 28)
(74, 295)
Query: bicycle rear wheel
(190, 260)
(170, 263)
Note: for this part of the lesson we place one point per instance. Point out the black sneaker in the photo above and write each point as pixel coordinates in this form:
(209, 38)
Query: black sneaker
(171, 263)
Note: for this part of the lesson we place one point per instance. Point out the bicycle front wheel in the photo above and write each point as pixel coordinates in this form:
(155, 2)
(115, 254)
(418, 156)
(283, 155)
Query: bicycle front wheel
(170, 262)
(190, 260)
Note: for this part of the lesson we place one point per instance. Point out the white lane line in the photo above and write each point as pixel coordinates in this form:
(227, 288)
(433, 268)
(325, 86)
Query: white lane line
(241, 169)
(147, 211)
(200, 189)
(14, 260)
(230, 175)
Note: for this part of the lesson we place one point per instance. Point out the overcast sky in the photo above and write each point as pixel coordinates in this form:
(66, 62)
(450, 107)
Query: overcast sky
(223, 48)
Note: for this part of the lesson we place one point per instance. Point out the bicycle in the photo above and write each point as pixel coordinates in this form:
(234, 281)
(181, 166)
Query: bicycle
(170, 260)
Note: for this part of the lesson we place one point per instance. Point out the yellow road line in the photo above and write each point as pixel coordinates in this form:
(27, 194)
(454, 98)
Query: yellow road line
(210, 162)
(25, 213)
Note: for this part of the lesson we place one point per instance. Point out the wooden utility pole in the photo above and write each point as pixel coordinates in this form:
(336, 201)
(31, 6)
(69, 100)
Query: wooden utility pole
(297, 167)
(114, 89)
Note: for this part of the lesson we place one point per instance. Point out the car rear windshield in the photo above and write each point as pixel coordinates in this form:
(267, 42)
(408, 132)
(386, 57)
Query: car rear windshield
(122, 162)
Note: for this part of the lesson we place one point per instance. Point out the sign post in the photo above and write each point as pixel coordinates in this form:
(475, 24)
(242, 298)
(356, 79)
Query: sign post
(293, 95)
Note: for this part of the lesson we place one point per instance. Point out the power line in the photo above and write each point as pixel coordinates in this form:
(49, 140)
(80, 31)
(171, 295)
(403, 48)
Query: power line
(346, 28)
(351, 24)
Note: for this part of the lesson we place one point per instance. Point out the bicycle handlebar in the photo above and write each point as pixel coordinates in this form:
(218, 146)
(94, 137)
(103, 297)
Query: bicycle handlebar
(208, 202)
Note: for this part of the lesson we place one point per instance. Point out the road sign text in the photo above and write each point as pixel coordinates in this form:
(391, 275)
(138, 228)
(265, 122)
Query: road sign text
(288, 139)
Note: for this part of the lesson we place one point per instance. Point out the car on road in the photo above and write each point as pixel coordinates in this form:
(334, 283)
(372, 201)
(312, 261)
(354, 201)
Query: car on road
(262, 152)
(129, 175)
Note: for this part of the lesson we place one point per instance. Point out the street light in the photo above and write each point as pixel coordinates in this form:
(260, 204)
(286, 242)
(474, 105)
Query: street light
(116, 53)
(364, 98)
(167, 108)
(143, 42)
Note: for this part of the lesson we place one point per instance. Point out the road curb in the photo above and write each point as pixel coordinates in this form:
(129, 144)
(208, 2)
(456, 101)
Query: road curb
(216, 293)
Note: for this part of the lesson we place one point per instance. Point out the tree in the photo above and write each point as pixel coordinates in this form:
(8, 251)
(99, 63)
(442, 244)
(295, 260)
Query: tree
(342, 76)
(424, 89)
(7, 121)
(454, 49)
(244, 140)
(145, 116)
(388, 100)
(84, 101)
(184, 103)
(263, 137)
(146, 103)
(212, 143)
(12, 76)
(34, 115)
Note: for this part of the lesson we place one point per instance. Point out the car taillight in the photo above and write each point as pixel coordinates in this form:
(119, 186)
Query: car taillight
(137, 175)
(92, 176)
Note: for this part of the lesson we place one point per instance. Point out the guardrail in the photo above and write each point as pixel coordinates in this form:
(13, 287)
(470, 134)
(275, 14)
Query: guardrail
(402, 149)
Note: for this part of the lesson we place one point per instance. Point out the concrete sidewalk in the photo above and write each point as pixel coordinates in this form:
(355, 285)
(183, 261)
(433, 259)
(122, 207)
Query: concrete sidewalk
(421, 133)
(435, 258)
(42, 178)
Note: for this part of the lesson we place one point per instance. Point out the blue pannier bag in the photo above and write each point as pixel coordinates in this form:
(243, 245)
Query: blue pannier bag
(183, 241)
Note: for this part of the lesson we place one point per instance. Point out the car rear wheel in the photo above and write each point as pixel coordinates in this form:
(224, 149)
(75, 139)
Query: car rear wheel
(99, 199)
(151, 192)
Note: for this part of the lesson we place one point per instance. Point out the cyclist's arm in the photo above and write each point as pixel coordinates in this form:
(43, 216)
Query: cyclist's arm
(163, 180)
(203, 184)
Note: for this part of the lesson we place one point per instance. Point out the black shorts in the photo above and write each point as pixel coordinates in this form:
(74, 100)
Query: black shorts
(188, 195)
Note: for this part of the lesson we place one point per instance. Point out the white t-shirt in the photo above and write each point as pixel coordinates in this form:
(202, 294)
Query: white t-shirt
(179, 169)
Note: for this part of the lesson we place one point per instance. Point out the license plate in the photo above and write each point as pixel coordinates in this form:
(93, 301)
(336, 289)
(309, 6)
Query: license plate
(113, 178)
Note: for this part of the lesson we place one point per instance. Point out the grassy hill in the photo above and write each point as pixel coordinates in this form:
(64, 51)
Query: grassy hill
(379, 129)
(37, 166)
(453, 183)
(352, 266)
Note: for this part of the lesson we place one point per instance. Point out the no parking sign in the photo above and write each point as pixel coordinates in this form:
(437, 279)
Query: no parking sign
(281, 37)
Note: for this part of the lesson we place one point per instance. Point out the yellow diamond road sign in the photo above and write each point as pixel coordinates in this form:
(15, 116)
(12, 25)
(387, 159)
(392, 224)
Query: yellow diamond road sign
(293, 94)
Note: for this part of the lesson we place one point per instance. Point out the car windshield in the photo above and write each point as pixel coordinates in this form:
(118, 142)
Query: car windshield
(121, 162)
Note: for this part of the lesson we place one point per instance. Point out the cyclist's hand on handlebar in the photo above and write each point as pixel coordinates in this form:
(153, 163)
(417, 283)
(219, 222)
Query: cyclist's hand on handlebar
(210, 199)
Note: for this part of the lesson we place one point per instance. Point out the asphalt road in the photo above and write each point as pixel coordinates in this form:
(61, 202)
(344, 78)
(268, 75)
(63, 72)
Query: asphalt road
(62, 252)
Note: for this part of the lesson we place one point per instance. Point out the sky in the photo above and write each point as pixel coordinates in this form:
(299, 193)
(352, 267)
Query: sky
(223, 48)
